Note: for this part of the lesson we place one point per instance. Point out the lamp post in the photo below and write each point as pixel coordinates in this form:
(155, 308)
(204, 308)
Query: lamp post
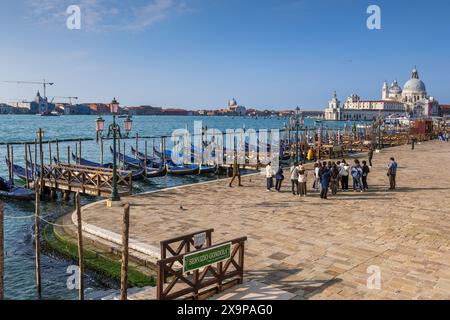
(297, 113)
(115, 132)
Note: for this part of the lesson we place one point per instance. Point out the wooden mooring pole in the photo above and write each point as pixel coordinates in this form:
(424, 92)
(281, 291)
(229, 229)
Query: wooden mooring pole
(125, 240)
(41, 160)
(2, 252)
(57, 150)
(26, 167)
(68, 154)
(145, 160)
(124, 153)
(35, 161)
(137, 146)
(101, 151)
(50, 153)
(80, 155)
(8, 156)
(80, 249)
(37, 244)
(12, 164)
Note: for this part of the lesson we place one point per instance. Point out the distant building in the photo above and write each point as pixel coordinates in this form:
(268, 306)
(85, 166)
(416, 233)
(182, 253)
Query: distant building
(176, 112)
(77, 109)
(444, 110)
(6, 109)
(143, 110)
(39, 105)
(98, 108)
(234, 109)
(412, 100)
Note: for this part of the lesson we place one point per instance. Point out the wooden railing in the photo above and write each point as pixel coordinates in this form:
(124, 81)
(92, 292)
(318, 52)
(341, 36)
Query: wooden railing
(85, 177)
(191, 285)
(183, 244)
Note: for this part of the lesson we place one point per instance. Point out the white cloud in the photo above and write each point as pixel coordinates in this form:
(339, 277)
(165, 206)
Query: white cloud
(104, 15)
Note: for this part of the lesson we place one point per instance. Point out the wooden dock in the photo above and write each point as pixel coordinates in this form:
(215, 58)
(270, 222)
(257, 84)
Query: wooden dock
(86, 180)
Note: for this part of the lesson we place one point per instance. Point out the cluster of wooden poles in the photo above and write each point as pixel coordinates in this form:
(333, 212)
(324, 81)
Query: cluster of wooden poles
(125, 249)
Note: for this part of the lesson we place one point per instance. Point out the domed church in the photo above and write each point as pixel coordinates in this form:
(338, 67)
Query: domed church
(412, 101)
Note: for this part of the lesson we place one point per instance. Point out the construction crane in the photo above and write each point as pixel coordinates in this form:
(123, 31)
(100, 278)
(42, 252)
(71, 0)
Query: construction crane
(44, 84)
(69, 98)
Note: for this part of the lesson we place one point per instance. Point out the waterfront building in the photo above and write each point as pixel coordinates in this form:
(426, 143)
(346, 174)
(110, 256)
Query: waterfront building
(6, 109)
(39, 105)
(412, 101)
(235, 109)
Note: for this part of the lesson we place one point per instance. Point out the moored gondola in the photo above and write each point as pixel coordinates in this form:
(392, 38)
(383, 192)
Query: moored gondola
(9, 190)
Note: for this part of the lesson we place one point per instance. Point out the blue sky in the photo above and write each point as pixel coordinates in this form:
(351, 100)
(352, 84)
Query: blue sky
(201, 53)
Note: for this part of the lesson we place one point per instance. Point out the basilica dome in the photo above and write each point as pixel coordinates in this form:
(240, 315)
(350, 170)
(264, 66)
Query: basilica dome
(232, 103)
(415, 85)
(395, 88)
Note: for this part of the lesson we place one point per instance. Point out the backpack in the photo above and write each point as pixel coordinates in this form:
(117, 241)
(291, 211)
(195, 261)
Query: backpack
(356, 174)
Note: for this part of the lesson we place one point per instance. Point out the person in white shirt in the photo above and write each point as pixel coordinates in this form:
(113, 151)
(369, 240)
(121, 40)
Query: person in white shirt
(302, 179)
(316, 184)
(269, 176)
(294, 179)
(344, 173)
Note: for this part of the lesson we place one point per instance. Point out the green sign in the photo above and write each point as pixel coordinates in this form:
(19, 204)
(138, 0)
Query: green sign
(206, 257)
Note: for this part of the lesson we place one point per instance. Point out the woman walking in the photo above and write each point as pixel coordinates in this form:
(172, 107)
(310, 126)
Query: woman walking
(302, 179)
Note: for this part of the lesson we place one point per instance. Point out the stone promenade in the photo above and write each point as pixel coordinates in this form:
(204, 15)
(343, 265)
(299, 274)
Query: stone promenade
(313, 248)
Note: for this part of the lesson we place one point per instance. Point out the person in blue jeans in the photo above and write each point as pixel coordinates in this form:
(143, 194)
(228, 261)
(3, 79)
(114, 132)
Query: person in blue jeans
(392, 174)
(357, 176)
(325, 177)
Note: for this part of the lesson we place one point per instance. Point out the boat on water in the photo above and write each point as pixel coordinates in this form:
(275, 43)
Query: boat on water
(153, 161)
(9, 190)
(181, 169)
(88, 163)
(49, 114)
(129, 161)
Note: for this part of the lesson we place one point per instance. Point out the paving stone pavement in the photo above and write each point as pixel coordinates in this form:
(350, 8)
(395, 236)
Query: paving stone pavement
(313, 248)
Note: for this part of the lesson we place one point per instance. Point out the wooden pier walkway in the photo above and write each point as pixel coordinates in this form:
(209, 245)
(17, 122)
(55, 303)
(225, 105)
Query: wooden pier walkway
(86, 180)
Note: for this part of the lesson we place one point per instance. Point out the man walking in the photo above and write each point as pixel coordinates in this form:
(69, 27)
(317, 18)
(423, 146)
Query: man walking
(370, 155)
(325, 182)
(269, 176)
(294, 178)
(392, 173)
(236, 172)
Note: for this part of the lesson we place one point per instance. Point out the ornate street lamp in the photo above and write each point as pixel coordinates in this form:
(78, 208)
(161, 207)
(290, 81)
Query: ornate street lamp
(297, 125)
(115, 132)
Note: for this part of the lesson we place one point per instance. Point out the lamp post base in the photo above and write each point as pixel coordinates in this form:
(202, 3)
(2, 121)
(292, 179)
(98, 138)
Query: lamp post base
(113, 204)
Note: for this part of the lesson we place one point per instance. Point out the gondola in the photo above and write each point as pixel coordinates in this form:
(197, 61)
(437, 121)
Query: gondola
(207, 169)
(88, 163)
(182, 170)
(154, 162)
(9, 190)
(156, 172)
(128, 160)
(21, 173)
